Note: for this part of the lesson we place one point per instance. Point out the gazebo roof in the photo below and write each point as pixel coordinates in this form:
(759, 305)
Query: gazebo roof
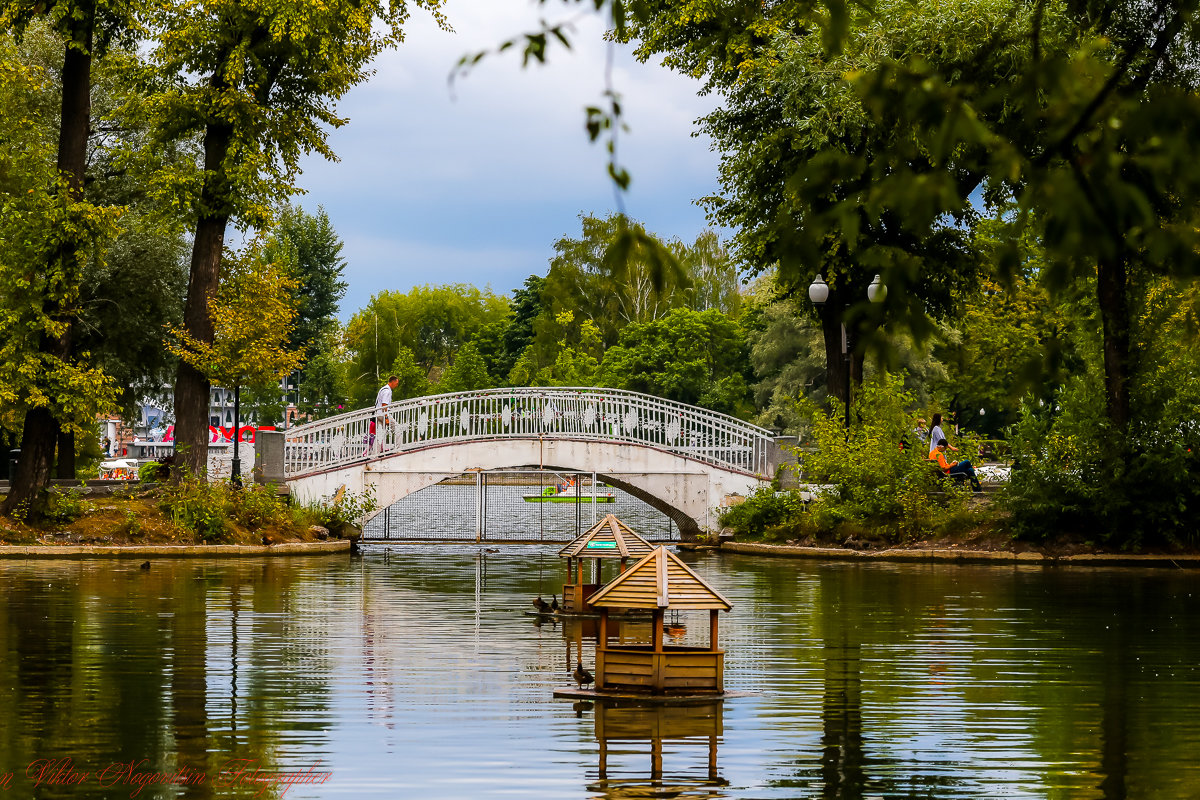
(608, 538)
(660, 580)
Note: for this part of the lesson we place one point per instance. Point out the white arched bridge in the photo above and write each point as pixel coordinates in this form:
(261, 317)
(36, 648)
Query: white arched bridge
(680, 459)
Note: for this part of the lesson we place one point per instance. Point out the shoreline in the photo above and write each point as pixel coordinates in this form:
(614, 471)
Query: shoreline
(173, 550)
(953, 555)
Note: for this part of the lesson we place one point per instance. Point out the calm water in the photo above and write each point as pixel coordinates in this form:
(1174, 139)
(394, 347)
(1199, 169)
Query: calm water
(415, 674)
(448, 511)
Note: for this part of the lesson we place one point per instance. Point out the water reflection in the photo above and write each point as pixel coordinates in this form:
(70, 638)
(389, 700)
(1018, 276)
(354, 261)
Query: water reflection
(416, 674)
(627, 735)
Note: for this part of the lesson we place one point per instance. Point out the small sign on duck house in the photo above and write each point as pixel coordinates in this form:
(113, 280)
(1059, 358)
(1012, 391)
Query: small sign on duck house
(655, 671)
(610, 539)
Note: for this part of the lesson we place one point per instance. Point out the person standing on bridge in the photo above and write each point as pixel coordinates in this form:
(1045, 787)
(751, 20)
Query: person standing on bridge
(382, 399)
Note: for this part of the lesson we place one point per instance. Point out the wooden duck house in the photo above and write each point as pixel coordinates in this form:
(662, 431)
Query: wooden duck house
(608, 539)
(660, 581)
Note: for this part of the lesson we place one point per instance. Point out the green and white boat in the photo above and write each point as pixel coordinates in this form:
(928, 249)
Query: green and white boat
(571, 494)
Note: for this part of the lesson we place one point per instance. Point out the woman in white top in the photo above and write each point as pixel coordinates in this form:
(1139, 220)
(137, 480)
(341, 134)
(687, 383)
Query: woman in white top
(936, 434)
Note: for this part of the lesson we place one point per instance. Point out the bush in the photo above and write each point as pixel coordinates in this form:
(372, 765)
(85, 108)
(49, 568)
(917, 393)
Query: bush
(63, 507)
(256, 505)
(878, 489)
(763, 511)
(1073, 475)
(346, 508)
(889, 489)
(156, 471)
(197, 505)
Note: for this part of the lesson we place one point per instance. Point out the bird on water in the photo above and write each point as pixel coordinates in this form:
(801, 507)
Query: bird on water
(554, 604)
(541, 605)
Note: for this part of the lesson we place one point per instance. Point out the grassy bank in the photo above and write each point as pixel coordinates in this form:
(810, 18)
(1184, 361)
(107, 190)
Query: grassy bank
(192, 513)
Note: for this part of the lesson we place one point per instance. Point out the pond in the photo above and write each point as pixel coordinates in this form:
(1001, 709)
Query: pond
(413, 672)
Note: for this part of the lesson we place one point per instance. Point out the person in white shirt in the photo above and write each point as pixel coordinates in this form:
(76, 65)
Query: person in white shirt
(382, 399)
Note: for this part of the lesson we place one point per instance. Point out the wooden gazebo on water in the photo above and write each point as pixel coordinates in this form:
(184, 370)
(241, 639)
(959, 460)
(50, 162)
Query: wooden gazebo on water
(660, 581)
(608, 539)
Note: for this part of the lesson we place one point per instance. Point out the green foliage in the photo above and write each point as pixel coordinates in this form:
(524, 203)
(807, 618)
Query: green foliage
(63, 506)
(252, 322)
(196, 505)
(696, 357)
(309, 249)
(764, 512)
(46, 235)
(413, 380)
(153, 472)
(1073, 476)
(347, 508)
(266, 80)
(518, 335)
(323, 388)
(257, 505)
(431, 321)
(468, 372)
(874, 480)
(210, 509)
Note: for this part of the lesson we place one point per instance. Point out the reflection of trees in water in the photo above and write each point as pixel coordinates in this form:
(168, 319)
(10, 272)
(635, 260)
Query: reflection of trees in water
(105, 663)
(1114, 723)
(842, 737)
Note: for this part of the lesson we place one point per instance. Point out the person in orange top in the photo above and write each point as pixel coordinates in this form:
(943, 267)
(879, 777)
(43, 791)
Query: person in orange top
(954, 468)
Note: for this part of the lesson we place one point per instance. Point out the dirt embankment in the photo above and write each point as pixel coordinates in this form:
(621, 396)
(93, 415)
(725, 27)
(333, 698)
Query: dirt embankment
(135, 516)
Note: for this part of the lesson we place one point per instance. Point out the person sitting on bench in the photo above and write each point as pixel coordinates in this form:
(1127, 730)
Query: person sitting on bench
(955, 469)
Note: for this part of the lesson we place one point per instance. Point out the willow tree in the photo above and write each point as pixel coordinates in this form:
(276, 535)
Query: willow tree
(258, 82)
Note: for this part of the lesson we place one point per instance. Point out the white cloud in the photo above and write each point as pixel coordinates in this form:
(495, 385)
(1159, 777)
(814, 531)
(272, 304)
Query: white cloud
(476, 187)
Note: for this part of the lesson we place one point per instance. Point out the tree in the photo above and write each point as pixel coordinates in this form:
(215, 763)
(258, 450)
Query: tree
(431, 321)
(790, 121)
(712, 273)
(466, 374)
(258, 85)
(252, 323)
(1069, 118)
(695, 357)
(610, 281)
(74, 230)
(414, 381)
(526, 308)
(323, 391)
(310, 247)
(576, 359)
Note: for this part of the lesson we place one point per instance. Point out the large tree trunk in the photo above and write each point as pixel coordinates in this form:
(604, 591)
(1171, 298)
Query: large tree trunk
(192, 387)
(66, 455)
(1112, 280)
(41, 430)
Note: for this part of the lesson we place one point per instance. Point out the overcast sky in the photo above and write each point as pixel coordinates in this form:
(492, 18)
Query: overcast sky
(473, 185)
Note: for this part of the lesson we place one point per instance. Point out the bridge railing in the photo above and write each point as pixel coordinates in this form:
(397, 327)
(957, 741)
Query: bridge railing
(610, 415)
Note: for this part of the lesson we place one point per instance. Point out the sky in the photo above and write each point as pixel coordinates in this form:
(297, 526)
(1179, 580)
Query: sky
(474, 183)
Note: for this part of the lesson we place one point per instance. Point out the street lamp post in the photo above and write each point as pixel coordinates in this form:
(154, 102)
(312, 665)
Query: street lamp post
(818, 293)
(236, 468)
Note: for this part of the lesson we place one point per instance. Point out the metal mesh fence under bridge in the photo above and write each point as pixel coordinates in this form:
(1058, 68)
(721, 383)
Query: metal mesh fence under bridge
(515, 506)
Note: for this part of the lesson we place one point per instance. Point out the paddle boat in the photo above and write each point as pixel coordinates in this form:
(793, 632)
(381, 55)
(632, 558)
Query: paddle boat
(571, 492)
